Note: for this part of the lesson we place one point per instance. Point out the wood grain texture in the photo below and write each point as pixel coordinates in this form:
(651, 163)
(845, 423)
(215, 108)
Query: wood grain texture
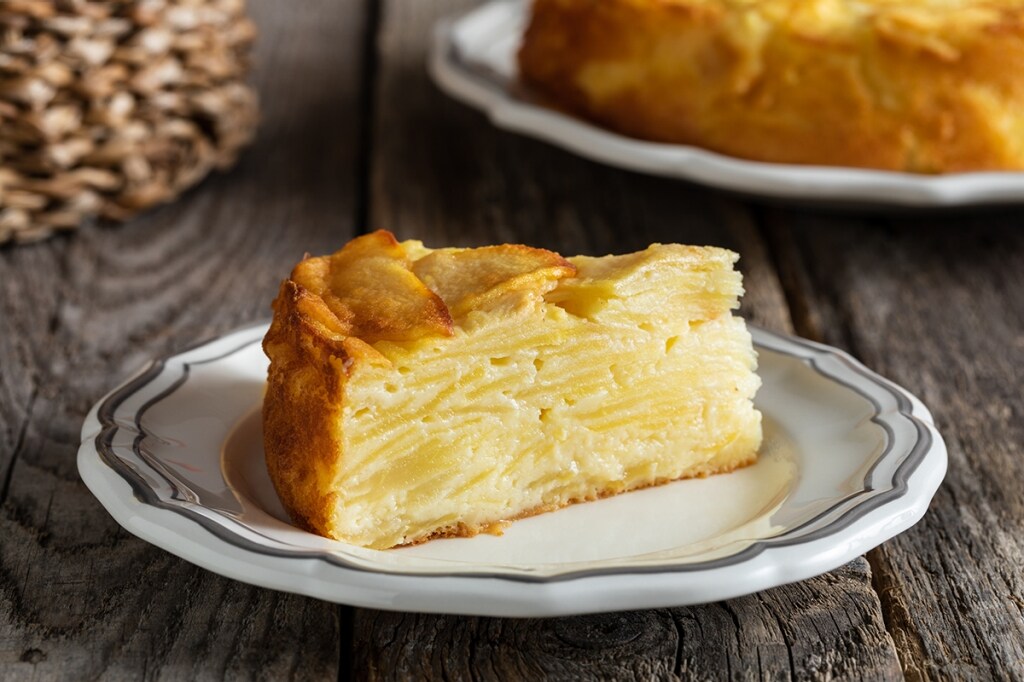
(827, 628)
(79, 597)
(934, 302)
(443, 174)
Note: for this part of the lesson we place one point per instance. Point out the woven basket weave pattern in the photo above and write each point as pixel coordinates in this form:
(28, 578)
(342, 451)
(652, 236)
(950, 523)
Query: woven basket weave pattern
(109, 107)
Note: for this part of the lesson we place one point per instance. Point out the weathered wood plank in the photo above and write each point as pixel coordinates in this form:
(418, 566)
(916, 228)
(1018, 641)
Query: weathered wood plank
(934, 303)
(25, 306)
(795, 632)
(442, 174)
(79, 597)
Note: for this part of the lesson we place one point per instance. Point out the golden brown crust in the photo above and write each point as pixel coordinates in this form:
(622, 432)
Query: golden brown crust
(474, 279)
(305, 393)
(913, 86)
(371, 293)
(296, 422)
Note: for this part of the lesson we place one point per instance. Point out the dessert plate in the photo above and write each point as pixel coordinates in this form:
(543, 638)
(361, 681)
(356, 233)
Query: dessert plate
(473, 60)
(849, 460)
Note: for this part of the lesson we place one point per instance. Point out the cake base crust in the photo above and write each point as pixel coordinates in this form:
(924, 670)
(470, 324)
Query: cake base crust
(463, 530)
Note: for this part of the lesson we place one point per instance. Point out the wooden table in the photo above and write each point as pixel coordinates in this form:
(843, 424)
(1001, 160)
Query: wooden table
(356, 137)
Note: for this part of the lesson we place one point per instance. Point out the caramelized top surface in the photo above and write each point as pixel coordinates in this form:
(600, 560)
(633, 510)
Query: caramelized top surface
(378, 289)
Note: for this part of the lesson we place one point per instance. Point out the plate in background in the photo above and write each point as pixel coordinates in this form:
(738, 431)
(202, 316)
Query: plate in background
(473, 60)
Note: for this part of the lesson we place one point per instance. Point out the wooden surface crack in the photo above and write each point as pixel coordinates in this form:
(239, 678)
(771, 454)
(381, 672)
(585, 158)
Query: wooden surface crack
(677, 663)
(792, 278)
(19, 444)
(364, 166)
(793, 672)
(896, 616)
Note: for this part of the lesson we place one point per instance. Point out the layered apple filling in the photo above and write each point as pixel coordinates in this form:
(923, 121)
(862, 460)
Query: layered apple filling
(417, 393)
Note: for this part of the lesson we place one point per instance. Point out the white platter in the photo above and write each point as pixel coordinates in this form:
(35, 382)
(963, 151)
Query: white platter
(473, 60)
(850, 460)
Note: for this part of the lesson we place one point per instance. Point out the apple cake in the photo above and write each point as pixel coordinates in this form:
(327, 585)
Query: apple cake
(925, 86)
(417, 393)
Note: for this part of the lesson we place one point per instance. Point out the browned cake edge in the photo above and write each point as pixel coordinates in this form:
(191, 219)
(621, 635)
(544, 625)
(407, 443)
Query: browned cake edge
(299, 426)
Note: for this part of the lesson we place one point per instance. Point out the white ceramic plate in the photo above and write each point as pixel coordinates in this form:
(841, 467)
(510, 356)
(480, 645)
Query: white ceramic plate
(175, 455)
(473, 60)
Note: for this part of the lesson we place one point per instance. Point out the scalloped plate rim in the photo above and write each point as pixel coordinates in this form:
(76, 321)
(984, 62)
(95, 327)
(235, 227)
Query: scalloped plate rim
(495, 595)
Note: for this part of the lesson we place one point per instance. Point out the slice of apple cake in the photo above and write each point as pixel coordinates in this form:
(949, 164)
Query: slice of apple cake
(417, 393)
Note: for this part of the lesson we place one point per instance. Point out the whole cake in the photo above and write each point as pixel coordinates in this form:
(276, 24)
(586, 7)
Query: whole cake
(927, 86)
(417, 393)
